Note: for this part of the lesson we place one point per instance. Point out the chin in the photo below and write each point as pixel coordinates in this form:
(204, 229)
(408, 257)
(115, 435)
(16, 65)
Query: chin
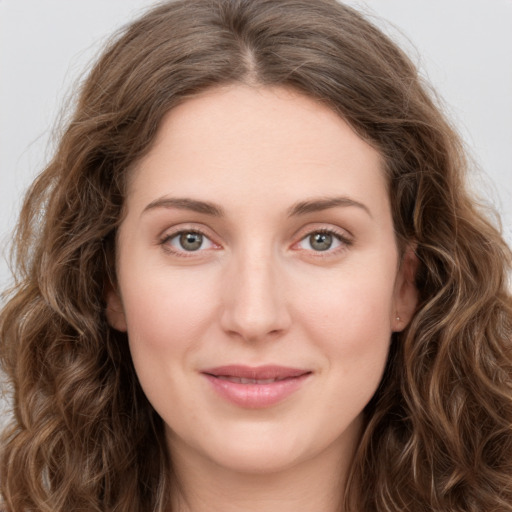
(250, 448)
(257, 459)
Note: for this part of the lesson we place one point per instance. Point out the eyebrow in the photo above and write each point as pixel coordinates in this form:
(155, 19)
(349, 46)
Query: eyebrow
(300, 208)
(324, 203)
(183, 203)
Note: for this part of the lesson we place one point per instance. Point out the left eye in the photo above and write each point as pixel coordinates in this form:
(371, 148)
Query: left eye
(320, 241)
(189, 241)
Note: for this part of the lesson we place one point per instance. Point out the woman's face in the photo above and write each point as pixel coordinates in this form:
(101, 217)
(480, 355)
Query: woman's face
(259, 279)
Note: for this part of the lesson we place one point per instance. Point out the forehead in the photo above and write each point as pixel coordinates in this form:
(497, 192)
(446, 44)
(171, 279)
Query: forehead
(239, 141)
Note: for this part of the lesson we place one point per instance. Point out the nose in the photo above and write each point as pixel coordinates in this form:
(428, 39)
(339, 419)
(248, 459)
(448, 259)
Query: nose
(254, 299)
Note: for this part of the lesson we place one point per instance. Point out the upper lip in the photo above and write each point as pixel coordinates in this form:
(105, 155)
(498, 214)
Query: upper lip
(256, 372)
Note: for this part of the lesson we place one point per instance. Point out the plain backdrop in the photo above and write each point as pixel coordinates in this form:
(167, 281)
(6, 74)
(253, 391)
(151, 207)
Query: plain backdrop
(463, 47)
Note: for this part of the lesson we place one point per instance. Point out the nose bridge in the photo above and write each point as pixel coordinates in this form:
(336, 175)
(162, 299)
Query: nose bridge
(255, 302)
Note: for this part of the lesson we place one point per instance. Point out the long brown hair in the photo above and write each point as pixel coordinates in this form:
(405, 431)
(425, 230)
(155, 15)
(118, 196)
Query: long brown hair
(438, 434)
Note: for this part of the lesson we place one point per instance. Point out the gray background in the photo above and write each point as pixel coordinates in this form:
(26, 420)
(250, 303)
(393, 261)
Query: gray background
(463, 47)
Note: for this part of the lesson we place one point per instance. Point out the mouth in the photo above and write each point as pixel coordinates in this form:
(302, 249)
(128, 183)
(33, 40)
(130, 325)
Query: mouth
(255, 387)
(241, 380)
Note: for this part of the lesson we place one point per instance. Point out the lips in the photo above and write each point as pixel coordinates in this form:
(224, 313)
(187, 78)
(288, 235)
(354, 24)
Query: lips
(255, 387)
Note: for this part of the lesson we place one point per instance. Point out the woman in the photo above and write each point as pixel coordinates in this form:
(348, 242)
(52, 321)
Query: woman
(252, 279)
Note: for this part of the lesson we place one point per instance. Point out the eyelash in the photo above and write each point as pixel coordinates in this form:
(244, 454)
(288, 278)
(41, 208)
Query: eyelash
(344, 241)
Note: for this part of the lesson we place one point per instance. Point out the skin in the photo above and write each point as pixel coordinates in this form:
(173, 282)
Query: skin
(258, 291)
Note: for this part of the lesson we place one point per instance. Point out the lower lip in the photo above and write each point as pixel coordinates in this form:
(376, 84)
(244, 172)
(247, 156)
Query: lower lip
(256, 396)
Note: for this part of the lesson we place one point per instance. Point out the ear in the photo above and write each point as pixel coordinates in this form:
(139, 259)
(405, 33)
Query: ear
(114, 310)
(406, 293)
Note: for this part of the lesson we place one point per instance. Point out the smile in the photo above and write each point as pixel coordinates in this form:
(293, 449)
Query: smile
(255, 387)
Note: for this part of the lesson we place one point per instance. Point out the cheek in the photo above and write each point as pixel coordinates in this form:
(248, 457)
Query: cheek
(167, 317)
(167, 312)
(351, 317)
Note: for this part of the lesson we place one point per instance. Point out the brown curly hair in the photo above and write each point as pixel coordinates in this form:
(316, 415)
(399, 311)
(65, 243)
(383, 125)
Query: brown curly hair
(438, 435)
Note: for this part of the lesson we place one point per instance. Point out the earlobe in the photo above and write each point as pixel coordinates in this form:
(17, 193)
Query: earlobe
(114, 310)
(406, 293)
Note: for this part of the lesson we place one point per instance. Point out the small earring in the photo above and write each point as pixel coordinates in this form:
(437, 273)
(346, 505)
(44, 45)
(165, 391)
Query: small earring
(398, 319)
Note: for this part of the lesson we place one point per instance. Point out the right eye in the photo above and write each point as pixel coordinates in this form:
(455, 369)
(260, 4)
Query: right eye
(188, 241)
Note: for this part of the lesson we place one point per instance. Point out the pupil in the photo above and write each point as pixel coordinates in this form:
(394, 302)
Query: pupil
(321, 241)
(191, 241)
